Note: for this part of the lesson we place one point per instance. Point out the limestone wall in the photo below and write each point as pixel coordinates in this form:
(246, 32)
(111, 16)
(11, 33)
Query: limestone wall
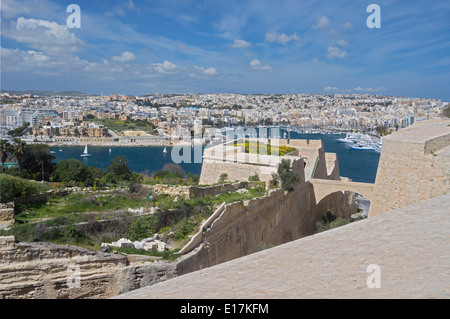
(244, 228)
(6, 214)
(414, 166)
(240, 166)
(196, 191)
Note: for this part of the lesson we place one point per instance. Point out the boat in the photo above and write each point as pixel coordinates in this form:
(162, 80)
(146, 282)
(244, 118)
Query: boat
(109, 150)
(362, 147)
(52, 152)
(349, 138)
(60, 150)
(165, 151)
(85, 153)
(377, 147)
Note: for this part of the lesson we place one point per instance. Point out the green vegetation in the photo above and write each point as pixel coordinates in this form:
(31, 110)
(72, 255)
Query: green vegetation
(382, 130)
(5, 149)
(128, 125)
(90, 218)
(223, 177)
(330, 221)
(285, 176)
(58, 220)
(264, 149)
(19, 131)
(12, 187)
(446, 111)
(74, 205)
(172, 174)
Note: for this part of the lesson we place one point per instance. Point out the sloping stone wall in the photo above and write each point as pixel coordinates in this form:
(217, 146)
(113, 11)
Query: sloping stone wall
(246, 227)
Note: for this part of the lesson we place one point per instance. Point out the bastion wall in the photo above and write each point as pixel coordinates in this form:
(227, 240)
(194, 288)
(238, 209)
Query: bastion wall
(414, 166)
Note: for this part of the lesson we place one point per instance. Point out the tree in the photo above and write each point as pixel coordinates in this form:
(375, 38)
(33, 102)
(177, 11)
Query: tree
(287, 177)
(5, 149)
(119, 168)
(223, 177)
(37, 162)
(174, 168)
(71, 170)
(19, 150)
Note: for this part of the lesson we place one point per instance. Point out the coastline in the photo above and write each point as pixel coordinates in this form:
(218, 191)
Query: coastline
(93, 144)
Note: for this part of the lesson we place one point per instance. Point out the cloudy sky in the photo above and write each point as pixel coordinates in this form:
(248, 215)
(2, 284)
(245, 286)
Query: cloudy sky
(240, 46)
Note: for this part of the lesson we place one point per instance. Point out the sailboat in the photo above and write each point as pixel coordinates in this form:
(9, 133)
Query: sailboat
(165, 151)
(85, 153)
(109, 150)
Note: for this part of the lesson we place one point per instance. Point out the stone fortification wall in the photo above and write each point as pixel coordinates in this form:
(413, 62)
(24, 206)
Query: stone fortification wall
(240, 166)
(414, 166)
(246, 227)
(196, 191)
(332, 164)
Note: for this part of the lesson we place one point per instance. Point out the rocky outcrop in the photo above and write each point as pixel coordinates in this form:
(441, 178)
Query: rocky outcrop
(44, 270)
(6, 215)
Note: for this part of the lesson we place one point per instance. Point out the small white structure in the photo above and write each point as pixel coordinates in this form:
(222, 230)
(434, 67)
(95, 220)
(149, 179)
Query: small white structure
(146, 244)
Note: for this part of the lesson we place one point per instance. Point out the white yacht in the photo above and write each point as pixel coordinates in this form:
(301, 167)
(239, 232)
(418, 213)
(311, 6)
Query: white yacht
(377, 147)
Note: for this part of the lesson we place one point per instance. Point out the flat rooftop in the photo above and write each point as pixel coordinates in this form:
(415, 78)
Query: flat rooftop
(410, 245)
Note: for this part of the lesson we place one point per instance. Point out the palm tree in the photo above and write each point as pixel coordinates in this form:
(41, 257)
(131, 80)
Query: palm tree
(5, 148)
(19, 150)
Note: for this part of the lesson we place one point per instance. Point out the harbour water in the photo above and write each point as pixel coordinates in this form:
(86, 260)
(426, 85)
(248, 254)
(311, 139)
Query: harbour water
(360, 166)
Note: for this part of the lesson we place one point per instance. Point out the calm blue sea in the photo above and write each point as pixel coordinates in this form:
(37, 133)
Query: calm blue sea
(360, 166)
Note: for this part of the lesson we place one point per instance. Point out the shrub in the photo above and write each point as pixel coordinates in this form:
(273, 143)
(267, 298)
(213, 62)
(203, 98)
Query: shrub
(223, 177)
(286, 176)
(12, 187)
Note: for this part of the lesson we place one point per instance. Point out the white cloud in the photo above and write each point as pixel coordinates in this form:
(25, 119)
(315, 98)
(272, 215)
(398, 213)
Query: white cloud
(206, 71)
(165, 67)
(122, 8)
(12, 8)
(321, 22)
(124, 57)
(257, 65)
(240, 44)
(331, 89)
(43, 35)
(342, 42)
(281, 38)
(378, 89)
(347, 25)
(336, 53)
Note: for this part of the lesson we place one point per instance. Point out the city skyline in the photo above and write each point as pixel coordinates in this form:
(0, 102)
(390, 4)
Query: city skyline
(131, 47)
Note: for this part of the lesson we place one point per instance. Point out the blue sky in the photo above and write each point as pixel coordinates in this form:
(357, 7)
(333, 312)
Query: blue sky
(255, 46)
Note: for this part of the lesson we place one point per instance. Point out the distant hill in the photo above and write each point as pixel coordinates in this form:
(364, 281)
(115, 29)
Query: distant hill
(49, 93)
